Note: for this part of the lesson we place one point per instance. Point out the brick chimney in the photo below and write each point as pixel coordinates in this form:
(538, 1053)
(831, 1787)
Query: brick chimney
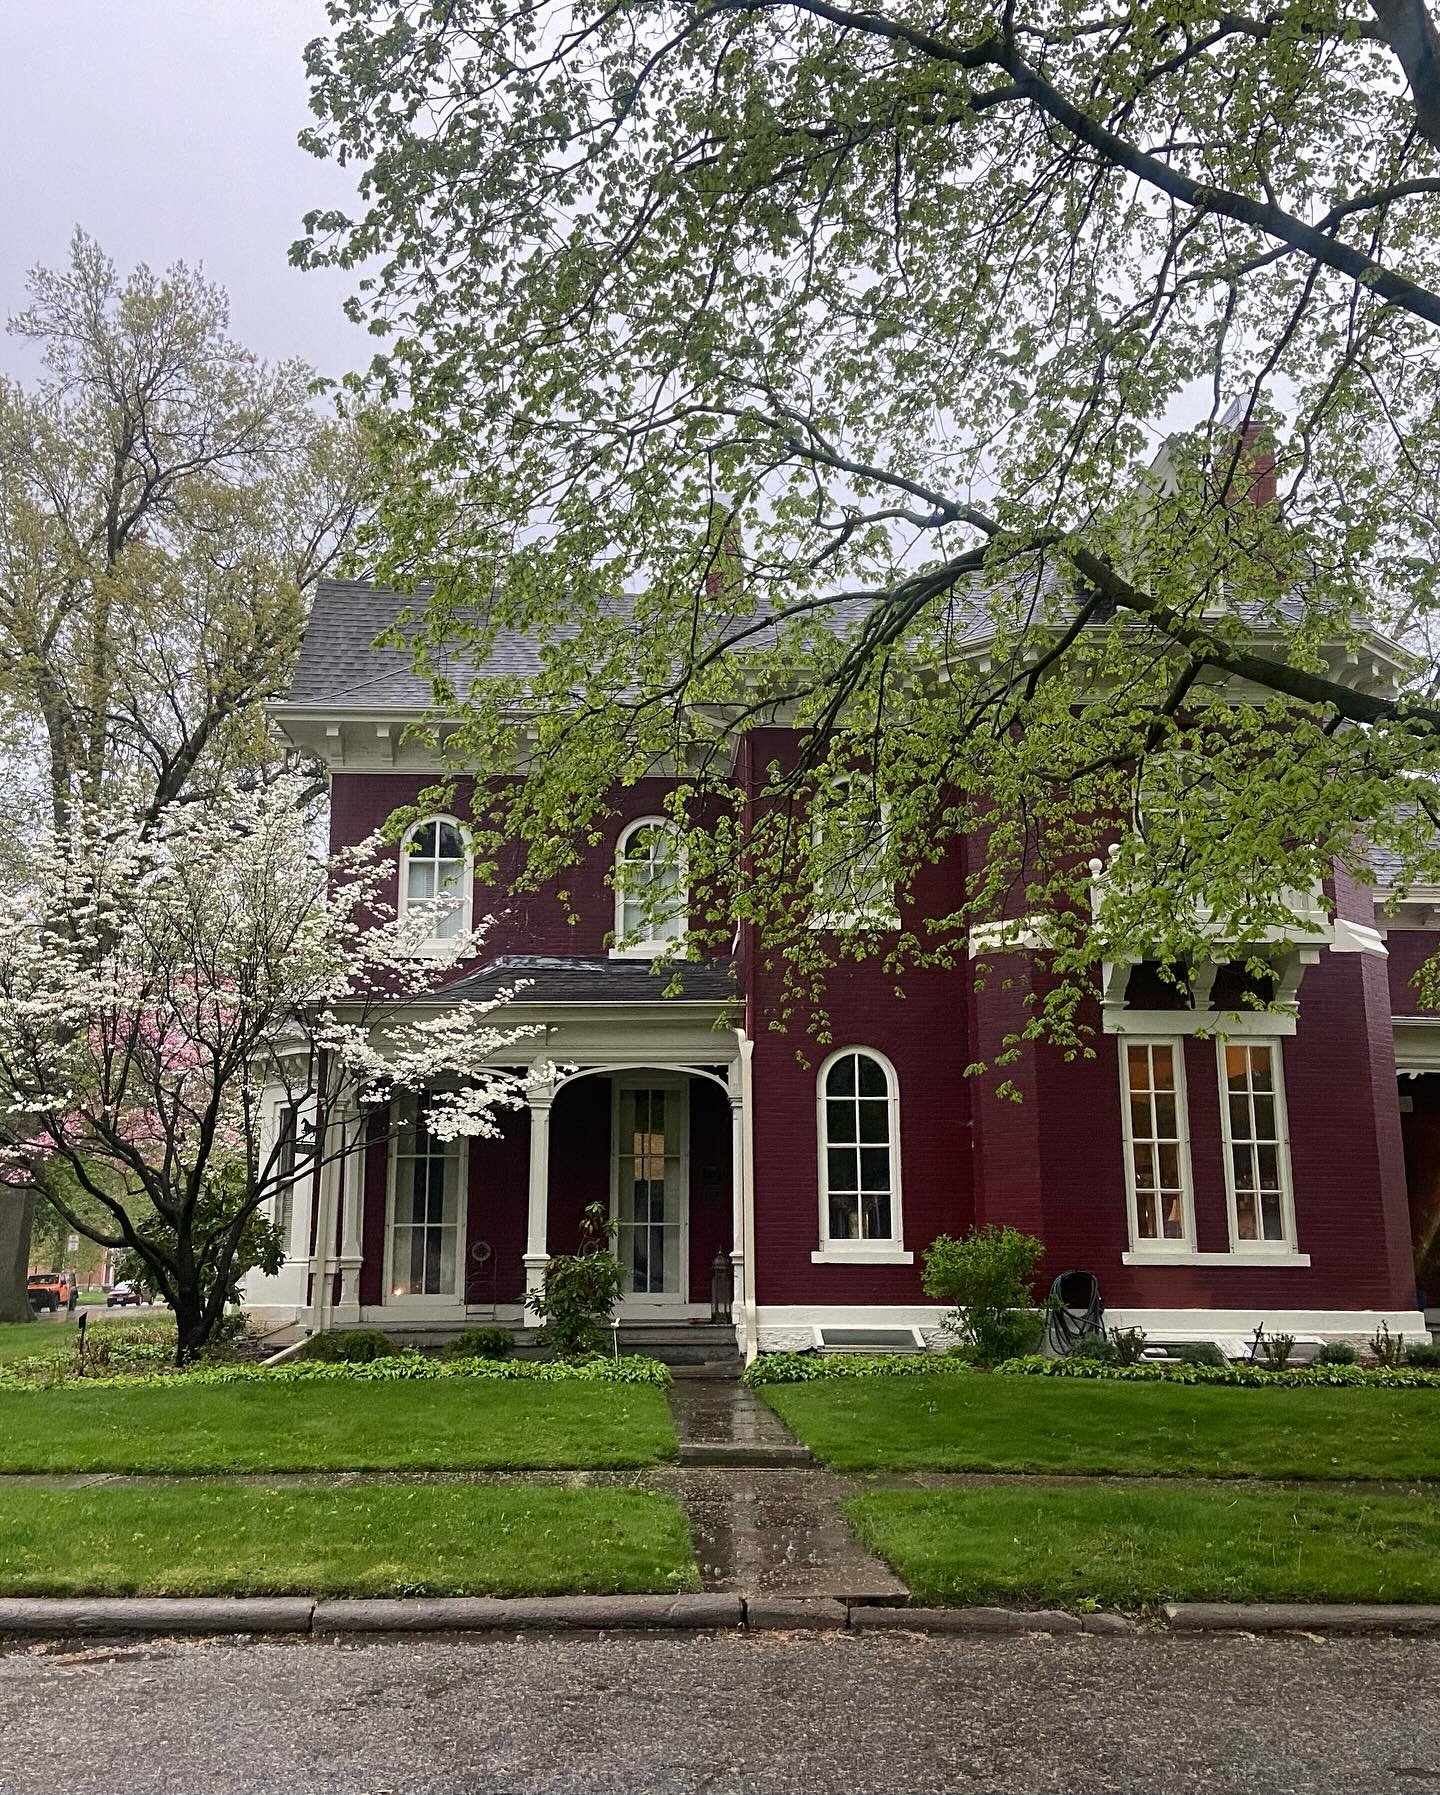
(1251, 449)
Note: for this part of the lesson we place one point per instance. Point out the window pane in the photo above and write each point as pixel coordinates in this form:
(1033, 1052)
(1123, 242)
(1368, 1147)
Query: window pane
(875, 1168)
(1265, 1118)
(1168, 1156)
(1163, 1064)
(844, 1217)
(840, 1079)
(1245, 1215)
(1174, 1218)
(420, 887)
(1145, 1215)
(1272, 1215)
(1236, 1066)
(1137, 1066)
(1239, 1117)
(872, 1077)
(841, 1119)
(1144, 1166)
(1269, 1163)
(1165, 1126)
(422, 842)
(1260, 1068)
(844, 1169)
(876, 1213)
(874, 1119)
(452, 843)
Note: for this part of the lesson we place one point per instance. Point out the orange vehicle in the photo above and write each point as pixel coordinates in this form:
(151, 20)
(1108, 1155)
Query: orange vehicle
(53, 1290)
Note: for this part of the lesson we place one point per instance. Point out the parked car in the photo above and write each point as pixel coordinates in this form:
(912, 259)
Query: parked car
(53, 1290)
(120, 1296)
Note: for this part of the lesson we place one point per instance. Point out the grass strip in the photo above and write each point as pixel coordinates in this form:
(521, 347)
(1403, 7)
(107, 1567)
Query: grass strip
(390, 1540)
(1128, 1546)
(456, 1424)
(1146, 1429)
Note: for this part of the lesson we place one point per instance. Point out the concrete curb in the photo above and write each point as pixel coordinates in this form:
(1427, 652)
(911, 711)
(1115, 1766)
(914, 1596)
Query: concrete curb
(113, 1615)
(487, 1614)
(167, 1616)
(1305, 1617)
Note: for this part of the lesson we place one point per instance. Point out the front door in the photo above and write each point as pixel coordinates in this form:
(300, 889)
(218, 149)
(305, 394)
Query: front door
(651, 1189)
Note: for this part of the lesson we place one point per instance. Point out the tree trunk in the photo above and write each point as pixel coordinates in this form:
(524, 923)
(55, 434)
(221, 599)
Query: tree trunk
(17, 1211)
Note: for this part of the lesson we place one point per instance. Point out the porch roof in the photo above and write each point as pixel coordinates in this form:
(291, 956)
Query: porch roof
(566, 979)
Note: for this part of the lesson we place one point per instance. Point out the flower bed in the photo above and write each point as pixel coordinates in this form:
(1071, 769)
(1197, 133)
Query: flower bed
(802, 1368)
(407, 1365)
(1250, 1377)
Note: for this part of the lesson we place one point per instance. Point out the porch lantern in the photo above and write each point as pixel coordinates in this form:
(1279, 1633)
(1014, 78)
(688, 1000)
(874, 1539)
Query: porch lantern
(722, 1288)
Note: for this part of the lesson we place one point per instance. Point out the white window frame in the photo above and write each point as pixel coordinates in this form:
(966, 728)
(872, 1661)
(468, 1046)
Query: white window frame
(882, 911)
(437, 1300)
(1285, 1247)
(1146, 1247)
(859, 1252)
(437, 944)
(650, 948)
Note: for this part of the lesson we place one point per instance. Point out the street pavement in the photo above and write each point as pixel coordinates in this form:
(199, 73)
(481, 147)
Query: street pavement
(703, 1715)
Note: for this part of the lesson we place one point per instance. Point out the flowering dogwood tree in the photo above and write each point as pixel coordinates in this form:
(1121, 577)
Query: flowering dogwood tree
(157, 987)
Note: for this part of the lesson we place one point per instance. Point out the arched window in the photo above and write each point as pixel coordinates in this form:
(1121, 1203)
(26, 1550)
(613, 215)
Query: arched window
(849, 835)
(435, 873)
(859, 1116)
(650, 894)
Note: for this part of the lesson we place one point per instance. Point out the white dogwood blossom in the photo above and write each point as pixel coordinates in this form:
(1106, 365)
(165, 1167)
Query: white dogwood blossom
(156, 988)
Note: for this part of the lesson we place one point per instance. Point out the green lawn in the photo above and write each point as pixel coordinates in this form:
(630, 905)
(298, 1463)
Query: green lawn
(1126, 1546)
(1042, 1424)
(450, 1424)
(385, 1539)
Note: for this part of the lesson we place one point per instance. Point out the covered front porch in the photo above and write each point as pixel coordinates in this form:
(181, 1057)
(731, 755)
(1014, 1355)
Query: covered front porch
(643, 1113)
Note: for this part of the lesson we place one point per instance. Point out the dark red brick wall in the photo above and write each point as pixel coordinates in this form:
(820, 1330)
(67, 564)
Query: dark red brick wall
(1050, 1163)
(526, 922)
(1409, 949)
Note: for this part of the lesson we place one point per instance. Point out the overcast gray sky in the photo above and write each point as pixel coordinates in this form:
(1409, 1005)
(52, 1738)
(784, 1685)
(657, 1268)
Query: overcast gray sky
(167, 129)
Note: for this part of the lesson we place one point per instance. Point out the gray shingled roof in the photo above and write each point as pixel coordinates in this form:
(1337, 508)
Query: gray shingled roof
(340, 666)
(555, 979)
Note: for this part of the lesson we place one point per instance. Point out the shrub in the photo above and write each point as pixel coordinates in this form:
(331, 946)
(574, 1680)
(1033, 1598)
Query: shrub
(1200, 1352)
(1388, 1348)
(988, 1275)
(581, 1291)
(1423, 1355)
(1336, 1352)
(350, 1346)
(1094, 1346)
(482, 1343)
(814, 1367)
(1277, 1349)
(1129, 1345)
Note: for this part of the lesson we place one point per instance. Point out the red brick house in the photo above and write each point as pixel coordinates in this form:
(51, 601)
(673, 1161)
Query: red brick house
(1210, 1185)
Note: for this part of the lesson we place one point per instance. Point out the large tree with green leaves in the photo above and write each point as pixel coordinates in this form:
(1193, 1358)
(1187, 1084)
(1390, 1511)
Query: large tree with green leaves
(166, 501)
(845, 339)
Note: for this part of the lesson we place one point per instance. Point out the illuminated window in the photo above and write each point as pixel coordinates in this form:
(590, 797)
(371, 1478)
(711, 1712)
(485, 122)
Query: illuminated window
(1257, 1152)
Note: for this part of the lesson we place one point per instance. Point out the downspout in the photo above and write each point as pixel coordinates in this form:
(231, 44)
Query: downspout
(747, 1150)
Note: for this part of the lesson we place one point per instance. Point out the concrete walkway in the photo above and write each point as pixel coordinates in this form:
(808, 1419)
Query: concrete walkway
(723, 1423)
(764, 1518)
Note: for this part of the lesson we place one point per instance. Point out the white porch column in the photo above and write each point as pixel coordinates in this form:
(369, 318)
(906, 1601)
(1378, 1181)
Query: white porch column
(347, 1310)
(536, 1252)
(737, 1200)
(327, 1196)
